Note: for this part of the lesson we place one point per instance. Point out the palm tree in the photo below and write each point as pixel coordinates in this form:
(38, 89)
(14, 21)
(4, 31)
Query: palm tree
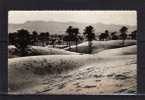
(41, 37)
(90, 35)
(69, 36)
(22, 40)
(76, 37)
(44, 36)
(47, 34)
(114, 36)
(35, 37)
(12, 37)
(133, 35)
(106, 34)
(123, 34)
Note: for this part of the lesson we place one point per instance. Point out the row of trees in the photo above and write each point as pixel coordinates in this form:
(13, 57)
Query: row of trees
(22, 38)
(115, 36)
(73, 35)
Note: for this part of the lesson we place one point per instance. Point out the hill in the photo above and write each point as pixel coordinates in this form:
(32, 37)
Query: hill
(60, 27)
(98, 46)
(75, 74)
(38, 50)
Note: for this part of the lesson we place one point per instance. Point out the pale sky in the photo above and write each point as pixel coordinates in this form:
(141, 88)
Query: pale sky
(106, 17)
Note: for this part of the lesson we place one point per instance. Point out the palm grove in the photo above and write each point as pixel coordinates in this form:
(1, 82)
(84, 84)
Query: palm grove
(23, 39)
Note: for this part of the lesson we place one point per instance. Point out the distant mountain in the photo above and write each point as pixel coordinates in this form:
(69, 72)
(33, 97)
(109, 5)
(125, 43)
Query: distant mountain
(60, 27)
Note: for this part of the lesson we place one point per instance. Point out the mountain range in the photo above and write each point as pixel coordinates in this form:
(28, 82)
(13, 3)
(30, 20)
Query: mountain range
(60, 27)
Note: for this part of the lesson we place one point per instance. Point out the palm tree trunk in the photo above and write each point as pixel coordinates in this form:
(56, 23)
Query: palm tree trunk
(43, 43)
(53, 45)
(90, 47)
(123, 42)
(76, 45)
(69, 43)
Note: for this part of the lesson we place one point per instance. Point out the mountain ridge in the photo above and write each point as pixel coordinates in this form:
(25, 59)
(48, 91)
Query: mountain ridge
(55, 27)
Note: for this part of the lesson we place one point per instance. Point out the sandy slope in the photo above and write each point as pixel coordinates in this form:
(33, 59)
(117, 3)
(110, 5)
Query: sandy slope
(38, 50)
(50, 51)
(37, 66)
(75, 74)
(57, 46)
(11, 51)
(106, 77)
(98, 46)
(119, 51)
(101, 45)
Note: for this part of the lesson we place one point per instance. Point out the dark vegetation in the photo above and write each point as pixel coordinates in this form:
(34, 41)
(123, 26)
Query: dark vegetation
(22, 39)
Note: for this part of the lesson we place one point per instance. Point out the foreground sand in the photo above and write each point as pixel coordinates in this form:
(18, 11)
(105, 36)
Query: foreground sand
(106, 72)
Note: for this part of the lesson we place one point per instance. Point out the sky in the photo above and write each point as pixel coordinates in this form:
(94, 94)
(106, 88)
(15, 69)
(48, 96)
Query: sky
(106, 17)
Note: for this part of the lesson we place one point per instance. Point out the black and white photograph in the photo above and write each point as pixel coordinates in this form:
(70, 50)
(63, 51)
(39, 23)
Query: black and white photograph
(72, 52)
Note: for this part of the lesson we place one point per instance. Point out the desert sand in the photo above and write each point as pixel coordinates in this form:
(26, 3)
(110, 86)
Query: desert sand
(111, 69)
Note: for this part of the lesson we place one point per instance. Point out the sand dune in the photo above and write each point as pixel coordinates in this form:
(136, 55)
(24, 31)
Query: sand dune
(11, 51)
(38, 50)
(50, 51)
(129, 50)
(36, 66)
(98, 46)
(75, 74)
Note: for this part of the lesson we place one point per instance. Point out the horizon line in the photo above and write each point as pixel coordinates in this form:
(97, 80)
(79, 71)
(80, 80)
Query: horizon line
(73, 22)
